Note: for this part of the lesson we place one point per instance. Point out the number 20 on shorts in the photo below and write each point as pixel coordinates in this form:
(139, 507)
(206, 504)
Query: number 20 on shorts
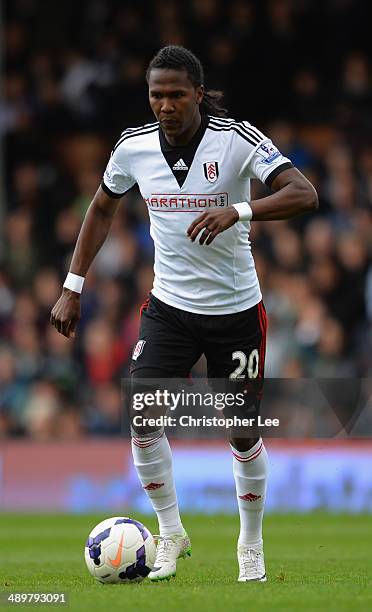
(246, 364)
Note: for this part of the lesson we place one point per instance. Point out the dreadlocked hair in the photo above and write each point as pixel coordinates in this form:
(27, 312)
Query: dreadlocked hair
(175, 57)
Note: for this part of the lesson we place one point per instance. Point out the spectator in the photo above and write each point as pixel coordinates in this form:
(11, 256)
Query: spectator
(72, 87)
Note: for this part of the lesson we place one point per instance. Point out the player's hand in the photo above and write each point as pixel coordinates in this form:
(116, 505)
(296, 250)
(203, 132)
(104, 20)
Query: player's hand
(214, 222)
(66, 313)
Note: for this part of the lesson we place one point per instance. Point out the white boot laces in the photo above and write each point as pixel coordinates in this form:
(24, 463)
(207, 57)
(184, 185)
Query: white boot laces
(249, 560)
(164, 548)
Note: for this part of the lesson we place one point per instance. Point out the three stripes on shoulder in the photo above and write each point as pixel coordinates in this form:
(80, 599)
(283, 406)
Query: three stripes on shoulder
(216, 124)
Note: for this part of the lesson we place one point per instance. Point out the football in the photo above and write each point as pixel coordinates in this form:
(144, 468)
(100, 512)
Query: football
(120, 549)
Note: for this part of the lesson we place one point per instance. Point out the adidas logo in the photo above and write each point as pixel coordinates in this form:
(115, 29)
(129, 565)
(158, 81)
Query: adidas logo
(180, 165)
(250, 497)
(152, 486)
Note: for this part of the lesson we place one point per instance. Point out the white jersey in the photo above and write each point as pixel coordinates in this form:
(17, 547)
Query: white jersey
(180, 183)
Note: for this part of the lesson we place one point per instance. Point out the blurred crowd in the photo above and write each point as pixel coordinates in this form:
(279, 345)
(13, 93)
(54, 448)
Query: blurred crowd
(73, 79)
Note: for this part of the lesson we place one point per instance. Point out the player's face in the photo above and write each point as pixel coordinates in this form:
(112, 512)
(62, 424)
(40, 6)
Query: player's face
(174, 101)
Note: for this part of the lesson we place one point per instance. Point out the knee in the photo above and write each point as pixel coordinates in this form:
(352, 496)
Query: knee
(243, 444)
(145, 435)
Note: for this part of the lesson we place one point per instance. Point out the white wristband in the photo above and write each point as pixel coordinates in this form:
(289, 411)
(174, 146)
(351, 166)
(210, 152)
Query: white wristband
(244, 211)
(74, 282)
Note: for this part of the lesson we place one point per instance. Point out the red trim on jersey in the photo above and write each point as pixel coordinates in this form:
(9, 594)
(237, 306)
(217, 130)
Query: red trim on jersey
(182, 209)
(178, 195)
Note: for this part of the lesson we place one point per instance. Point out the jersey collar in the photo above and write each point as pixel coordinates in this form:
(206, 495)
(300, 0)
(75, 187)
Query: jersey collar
(183, 154)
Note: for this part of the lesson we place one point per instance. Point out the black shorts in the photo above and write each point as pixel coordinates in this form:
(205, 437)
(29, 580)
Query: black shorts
(172, 340)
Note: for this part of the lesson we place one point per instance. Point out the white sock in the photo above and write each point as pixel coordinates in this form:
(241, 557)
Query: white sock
(250, 470)
(153, 461)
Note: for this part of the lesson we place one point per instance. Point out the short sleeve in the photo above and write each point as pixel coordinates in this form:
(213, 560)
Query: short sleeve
(117, 179)
(266, 162)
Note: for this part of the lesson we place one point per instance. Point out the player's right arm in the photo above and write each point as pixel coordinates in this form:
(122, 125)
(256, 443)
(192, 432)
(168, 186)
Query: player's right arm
(93, 233)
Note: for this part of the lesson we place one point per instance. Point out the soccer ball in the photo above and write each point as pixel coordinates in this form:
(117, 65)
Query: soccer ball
(120, 549)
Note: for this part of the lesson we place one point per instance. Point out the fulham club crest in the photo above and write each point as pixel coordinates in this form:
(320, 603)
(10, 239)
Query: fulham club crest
(138, 349)
(211, 171)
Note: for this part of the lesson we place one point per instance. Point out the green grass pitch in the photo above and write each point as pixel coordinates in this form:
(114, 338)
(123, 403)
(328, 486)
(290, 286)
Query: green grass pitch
(314, 562)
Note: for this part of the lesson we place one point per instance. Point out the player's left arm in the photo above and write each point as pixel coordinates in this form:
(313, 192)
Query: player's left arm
(293, 195)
